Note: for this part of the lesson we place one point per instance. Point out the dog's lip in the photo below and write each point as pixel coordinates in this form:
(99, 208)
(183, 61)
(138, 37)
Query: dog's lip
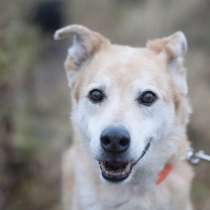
(143, 153)
(116, 171)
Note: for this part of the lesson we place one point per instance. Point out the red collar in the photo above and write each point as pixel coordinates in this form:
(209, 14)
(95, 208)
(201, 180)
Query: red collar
(164, 173)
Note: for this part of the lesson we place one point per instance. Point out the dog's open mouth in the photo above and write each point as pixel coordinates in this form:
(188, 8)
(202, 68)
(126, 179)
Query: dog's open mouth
(115, 171)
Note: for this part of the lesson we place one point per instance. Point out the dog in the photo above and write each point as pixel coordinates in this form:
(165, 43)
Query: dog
(129, 115)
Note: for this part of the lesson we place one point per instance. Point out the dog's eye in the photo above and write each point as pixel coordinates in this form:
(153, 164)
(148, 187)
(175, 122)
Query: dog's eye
(147, 98)
(96, 95)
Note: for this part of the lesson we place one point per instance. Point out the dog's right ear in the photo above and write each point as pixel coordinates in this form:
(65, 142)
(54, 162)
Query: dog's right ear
(84, 45)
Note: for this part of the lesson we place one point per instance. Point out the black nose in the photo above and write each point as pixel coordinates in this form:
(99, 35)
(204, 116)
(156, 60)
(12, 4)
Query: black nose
(115, 140)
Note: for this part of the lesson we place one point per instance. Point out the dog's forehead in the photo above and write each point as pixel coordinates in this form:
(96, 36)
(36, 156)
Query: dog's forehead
(126, 65)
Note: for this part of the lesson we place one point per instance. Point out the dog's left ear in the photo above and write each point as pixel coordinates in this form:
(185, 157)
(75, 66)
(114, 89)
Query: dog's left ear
(173, 49)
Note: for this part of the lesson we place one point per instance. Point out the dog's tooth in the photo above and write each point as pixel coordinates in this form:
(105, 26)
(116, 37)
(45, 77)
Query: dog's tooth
(122, 170)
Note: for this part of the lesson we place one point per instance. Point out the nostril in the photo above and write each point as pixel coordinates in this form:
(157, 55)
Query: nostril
(124, 142)
(106, 141)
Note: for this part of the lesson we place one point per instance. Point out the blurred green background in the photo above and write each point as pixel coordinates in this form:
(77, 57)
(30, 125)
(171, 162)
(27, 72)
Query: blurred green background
(34, 98)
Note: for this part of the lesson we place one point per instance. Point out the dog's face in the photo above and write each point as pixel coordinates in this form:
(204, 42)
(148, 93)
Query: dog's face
(125, 100)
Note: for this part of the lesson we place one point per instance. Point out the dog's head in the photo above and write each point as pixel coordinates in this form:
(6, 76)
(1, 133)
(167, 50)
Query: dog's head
(129, 105)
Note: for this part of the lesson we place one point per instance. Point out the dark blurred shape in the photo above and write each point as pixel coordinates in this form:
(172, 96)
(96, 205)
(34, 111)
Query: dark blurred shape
(48, 15)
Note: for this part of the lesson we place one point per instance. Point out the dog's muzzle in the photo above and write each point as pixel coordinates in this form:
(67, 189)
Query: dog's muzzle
(115, 165)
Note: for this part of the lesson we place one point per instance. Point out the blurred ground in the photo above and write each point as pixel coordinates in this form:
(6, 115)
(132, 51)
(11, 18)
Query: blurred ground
(34, 98)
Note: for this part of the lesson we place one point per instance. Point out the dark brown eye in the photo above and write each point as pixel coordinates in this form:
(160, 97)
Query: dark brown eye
(147, 98)
(96, 95)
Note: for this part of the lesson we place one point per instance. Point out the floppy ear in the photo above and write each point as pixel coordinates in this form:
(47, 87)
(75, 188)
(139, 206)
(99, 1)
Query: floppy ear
(173, 48)
(84, 45)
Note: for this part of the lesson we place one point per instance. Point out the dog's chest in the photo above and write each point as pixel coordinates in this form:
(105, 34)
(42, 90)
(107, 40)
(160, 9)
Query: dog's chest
(110, 198)
(122, 203)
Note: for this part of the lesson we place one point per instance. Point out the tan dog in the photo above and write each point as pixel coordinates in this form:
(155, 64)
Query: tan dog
(129, 115)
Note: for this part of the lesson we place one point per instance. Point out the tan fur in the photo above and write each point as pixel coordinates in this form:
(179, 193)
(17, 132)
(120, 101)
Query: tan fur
(83, 188)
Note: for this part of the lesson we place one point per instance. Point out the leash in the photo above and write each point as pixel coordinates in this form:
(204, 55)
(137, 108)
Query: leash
(196, 157)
